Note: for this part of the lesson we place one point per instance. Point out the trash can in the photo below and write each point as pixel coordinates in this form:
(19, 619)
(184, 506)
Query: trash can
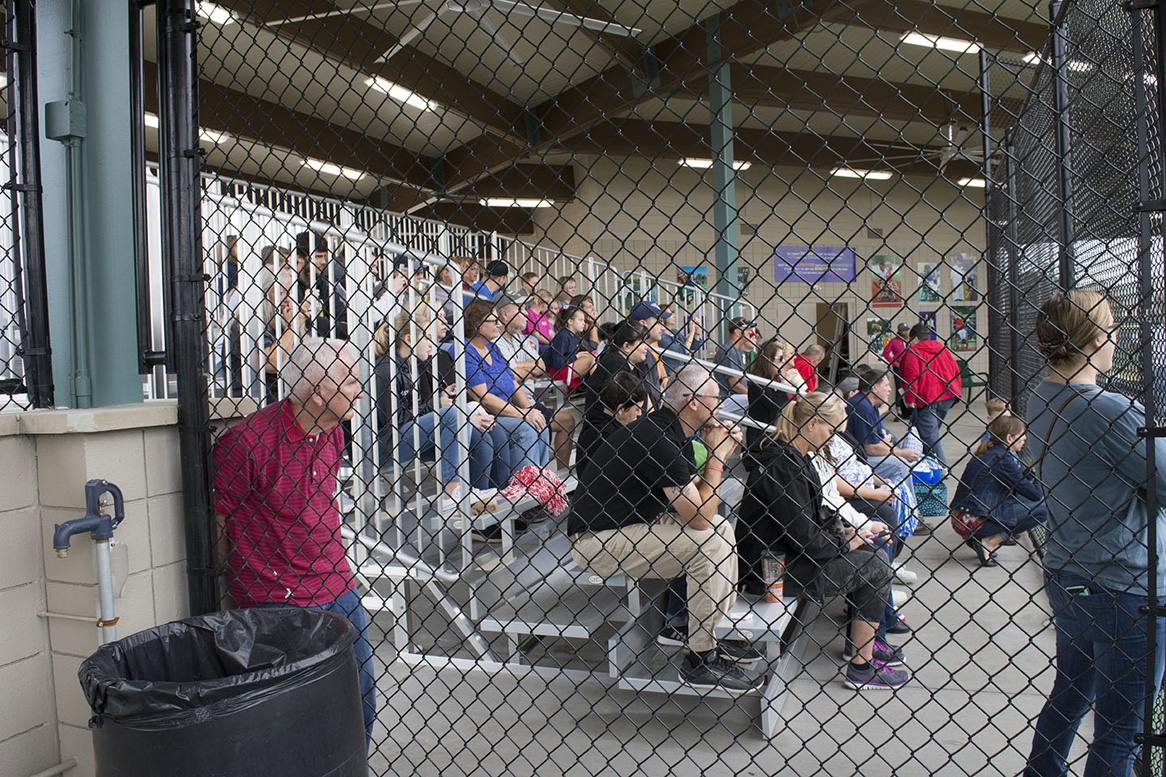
(243, 692)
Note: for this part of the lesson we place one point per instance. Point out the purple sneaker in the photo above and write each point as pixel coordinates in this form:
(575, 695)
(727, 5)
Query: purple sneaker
(876, 676)
(888, 655)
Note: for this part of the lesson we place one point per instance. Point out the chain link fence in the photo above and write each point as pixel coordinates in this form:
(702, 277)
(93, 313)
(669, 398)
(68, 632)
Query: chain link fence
(543, 337)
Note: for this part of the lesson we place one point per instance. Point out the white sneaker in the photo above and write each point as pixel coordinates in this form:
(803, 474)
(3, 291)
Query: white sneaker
(905, 576)
(480, 500)
(899, 596)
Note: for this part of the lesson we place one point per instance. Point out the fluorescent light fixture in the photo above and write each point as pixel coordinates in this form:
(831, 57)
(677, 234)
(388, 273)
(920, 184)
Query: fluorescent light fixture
(213, 136)
(151, 120)
(330, 169)
(850, 172)
(400, 93)
(215, 14)
(704, 164)
(957, 45)
(972, 183)
(516, 202)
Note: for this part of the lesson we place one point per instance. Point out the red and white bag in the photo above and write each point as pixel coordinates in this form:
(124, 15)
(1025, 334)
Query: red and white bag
(540, 483)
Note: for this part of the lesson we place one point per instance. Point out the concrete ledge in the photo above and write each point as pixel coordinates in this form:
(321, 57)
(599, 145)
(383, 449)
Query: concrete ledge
(161, 412)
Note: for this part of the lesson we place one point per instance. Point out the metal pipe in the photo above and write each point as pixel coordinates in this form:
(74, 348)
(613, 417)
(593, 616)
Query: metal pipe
(1065, 220)
(36, 344)
(985, 112)
(183, 275)
(147, 356)
(104, 568)
(1015, 336)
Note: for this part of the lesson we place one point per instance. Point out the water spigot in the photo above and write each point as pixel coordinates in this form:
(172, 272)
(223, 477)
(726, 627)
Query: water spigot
(101, 526)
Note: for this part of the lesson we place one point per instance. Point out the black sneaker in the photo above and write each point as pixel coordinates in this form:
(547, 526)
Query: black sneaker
(716, 674)
(739, 651)
(672, 637)
(491, 535)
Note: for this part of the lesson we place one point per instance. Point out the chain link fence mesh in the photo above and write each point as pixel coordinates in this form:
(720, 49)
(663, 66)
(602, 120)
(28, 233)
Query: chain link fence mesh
(502, 208)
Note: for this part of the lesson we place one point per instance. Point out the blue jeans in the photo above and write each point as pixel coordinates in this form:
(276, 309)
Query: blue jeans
(1102, 662)
(527, 446)
(927, 420)
(447, 419)
(350, 607)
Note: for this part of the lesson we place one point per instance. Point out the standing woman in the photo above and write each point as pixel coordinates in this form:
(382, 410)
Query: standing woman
(1092, 462)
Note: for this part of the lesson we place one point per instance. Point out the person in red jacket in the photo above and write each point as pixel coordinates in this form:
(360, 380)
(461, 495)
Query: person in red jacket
(894, 351)
(931, 385)
(807, 365)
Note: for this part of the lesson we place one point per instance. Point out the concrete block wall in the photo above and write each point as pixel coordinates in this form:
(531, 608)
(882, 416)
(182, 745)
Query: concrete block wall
(50, 604)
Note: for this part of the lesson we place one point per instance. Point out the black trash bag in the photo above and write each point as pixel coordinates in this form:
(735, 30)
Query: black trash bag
(253, 692)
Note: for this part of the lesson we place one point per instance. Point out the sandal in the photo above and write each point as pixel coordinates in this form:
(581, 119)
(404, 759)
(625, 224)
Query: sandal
(986, 557)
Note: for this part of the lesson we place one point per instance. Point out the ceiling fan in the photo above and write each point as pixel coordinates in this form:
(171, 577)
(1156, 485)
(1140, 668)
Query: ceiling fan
(955, 137)
(477, 9)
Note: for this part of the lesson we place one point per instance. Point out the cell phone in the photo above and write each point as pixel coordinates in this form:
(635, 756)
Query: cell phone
(881, 539)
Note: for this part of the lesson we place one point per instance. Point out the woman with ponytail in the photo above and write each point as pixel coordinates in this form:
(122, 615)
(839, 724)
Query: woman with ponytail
(997, 493)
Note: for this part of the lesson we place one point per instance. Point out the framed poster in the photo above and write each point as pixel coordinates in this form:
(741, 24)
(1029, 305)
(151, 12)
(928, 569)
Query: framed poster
(878, 334)
(929, 317)
(929, 276)
(963, 270)
(887, 284)
(963, 328)
(803, 264)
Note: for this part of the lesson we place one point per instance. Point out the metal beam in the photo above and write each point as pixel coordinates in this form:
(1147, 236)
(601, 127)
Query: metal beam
(668, 140)
(355, 42)
(724, 177)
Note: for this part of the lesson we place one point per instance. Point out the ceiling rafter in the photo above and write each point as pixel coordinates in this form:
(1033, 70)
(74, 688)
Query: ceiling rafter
(356, 43)
(842, 95)
(674, 140)
(989, 30)
(237, 113)
(616, 90)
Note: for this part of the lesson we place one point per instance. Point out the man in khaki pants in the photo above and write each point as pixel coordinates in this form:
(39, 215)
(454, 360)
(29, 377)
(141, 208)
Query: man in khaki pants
(643, 511)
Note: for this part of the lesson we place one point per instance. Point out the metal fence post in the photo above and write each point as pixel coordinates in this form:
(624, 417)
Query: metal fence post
(182, 264)
(24, 126)
(1065, 221)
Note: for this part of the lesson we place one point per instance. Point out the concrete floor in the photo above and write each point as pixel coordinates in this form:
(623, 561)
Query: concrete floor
(980, 656)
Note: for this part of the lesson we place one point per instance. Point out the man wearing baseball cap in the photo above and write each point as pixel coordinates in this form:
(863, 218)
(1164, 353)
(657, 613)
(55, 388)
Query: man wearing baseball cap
(495, 281)
(649, 315)
(892, 353)
(734, 355)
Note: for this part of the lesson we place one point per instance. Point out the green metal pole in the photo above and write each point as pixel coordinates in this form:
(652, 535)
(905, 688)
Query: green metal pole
(724, 177)
(89, 202)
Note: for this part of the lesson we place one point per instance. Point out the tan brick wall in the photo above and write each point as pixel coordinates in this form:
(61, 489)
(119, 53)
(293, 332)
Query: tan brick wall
(45, 459)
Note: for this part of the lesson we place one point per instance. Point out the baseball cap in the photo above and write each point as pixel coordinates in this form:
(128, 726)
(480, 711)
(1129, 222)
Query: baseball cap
(904, 327)
(503, 300)
(497, 269)
(644, 310)
(846, 385)
(741, 323)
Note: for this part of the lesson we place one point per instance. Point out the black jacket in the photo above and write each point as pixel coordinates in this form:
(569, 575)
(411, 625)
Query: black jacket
(782, 511)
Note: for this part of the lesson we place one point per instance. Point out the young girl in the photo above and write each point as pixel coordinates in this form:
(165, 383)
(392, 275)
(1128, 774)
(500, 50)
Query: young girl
(996, 499)
(538, 320)
(565, 358)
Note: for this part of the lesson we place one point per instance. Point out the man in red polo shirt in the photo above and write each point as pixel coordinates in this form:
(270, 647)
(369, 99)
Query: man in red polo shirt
(275, 485)
(807, 365)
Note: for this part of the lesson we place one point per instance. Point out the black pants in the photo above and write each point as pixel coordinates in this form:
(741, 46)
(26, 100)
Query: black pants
(863, 576)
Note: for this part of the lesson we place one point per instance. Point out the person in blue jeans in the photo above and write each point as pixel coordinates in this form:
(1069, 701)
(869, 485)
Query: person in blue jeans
(426, 416)
(490, 381)
(1092, 463)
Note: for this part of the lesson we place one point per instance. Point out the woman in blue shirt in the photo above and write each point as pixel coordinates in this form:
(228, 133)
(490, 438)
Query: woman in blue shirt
(490, 381)
(1092, 461)
(996, 489)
